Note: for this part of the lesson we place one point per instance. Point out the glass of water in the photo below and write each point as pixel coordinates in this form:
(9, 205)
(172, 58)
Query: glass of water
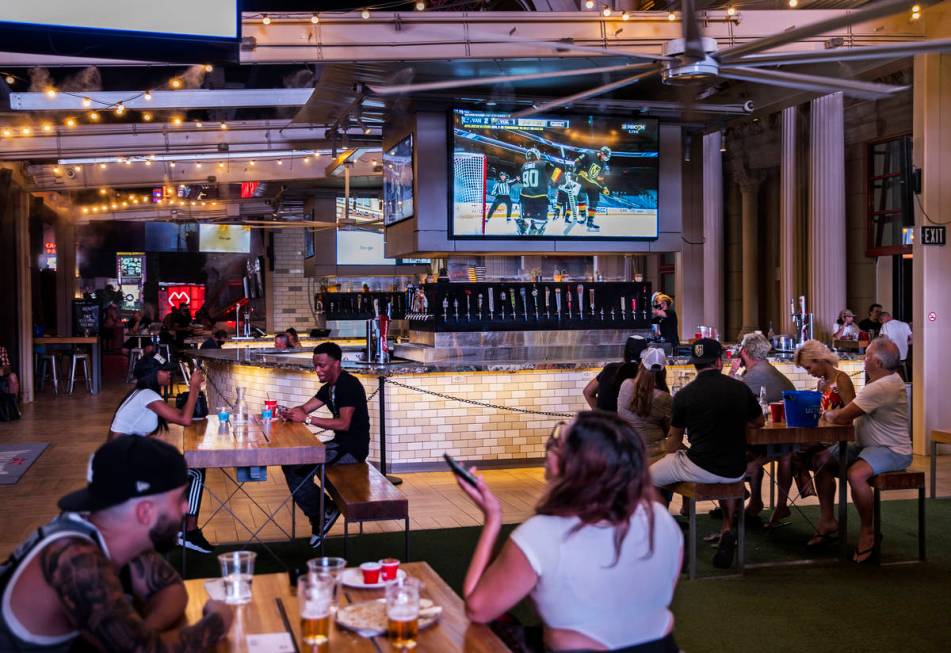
(237, 572)
(328, 567)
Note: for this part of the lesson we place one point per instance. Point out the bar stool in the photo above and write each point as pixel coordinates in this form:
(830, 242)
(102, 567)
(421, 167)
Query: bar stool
(80, 357)
(135, 354)
(166, 350)
(48, 363)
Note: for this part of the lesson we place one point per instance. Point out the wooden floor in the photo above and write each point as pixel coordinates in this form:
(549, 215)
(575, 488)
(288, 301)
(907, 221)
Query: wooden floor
(75, 425)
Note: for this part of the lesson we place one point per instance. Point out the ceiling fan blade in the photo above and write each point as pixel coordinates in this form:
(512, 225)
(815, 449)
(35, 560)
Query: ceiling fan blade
(812, 83)
(872, 11)
(693, 46)
(892, 51)
(500, 79)
(599, 90)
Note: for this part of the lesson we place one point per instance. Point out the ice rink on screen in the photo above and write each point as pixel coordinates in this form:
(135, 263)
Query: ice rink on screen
(640, 224)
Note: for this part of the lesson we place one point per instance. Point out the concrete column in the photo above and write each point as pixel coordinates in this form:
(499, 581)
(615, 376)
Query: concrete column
(65, 274)
(690, 288)
(827, 252)
(749, 192)
(24, 292)
(932, 265)
(713, 262)
(788, 215)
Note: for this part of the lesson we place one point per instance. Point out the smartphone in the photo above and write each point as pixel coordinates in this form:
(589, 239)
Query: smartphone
(459, 470)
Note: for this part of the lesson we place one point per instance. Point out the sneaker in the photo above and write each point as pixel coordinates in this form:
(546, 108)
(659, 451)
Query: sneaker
(316, 539)
(723, 558)
(330, 517)
(195, 540)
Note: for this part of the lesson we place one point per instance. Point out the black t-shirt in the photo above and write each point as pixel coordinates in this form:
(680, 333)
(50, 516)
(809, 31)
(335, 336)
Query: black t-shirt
(210, 343)
(607, 393)
(871, 326)
(668, 327)
(715, 410)
(349, 392)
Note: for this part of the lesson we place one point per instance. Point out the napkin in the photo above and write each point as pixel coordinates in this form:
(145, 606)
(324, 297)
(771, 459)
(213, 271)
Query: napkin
(270, 643)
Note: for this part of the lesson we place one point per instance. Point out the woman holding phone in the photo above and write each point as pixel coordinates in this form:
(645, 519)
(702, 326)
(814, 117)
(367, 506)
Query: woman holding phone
(600, 558)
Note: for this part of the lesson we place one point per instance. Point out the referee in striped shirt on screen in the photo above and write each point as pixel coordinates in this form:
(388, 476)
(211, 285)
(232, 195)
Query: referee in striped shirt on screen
(502, 192)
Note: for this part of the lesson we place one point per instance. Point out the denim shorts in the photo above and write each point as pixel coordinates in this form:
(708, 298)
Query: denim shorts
(880, 459)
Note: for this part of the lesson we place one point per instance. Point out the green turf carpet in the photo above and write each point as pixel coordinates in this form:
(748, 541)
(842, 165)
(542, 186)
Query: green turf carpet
(837, 606)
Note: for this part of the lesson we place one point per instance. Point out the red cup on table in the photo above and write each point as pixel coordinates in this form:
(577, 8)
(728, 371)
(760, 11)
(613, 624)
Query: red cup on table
(390, 567)
(270, 405)
(371, 572)
(777, 412)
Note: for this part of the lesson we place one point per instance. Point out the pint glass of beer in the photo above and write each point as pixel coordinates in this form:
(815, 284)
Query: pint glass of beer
(402, 612)
(315, 595)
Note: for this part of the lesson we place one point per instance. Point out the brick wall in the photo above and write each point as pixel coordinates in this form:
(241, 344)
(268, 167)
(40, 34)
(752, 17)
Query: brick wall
(290, 295)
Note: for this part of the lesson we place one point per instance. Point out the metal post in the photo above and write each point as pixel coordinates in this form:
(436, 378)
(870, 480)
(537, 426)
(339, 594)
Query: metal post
(395, 480)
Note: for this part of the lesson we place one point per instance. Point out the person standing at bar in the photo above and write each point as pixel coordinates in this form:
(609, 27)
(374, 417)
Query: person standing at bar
(346, 399)
(665, 318)
(900, 333)
(216, 341)
(873, 323)
(601, 393)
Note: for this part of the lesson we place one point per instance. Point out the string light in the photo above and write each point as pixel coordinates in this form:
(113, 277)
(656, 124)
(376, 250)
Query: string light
(365, 14)
(102, 191)
(625, 16)
(7, 132)
(606, 11)
(731, 11)
(251, 162)
(589, 4)
(10, 79)
(208, 68)
(315, 19)
(793, 4)
(224, 125)
(57, 170)
(147, 116)
(51, 92)
(85, 209)
(26, 131)
(420, 6)
(177, 120)
(47, 127)
(120, 109)
(915, 12)
(266, 19)
(70, 122)
(198, 124)
(671, 16)
(87, 102)
(94, 116)
(147, 96)
(175, 82)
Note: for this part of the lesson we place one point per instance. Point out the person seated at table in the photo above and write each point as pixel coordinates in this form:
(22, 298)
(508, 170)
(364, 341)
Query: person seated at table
(293, 340)
(600, 557)
(645, 403)
(715, 412)
(346, 399)
(281, 341)
(9, 389)
(601, 393)
(822, 363)
(751, 367)
(82, 574)
(216, 340)
(143, 412)
(882, 444)
(846, 328)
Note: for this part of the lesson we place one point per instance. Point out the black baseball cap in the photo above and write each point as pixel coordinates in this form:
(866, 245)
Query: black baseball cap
(151, 365)
(633, 348)
(705, 351)
(126, 468)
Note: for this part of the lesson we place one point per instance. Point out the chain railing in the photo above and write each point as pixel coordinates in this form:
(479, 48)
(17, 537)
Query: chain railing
(473, 402)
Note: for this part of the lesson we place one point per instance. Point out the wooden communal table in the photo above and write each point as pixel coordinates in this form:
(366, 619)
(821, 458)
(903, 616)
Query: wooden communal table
(453, 632)
(90, 341)
(210, 443)
(780, 433)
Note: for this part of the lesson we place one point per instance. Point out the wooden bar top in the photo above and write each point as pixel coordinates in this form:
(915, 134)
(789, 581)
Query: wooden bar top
(780, 433)
(66, 340)
(208, 443)
(453, 632)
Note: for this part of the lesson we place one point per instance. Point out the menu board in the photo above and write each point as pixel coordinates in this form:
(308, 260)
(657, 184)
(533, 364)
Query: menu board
(85, 316)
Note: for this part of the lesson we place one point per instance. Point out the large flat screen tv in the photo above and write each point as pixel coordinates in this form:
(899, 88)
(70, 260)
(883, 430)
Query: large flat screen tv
(398, 182)
(569, 177)
(361, 248)
(224, 238)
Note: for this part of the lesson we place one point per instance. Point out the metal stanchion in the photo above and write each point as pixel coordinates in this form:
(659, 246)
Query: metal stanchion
(381, 392)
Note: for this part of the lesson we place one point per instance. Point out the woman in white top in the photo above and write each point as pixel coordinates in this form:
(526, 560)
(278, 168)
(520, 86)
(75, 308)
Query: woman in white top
(600, 557)
(144, 413)
(645, 403)
(846, 328)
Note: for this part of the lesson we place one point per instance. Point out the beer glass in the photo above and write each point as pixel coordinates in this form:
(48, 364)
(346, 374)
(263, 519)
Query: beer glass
(402, 612)
(237, 571)
(315, 596)
(332, 567)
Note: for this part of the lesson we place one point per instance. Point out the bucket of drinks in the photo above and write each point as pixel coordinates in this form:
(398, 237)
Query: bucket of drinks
(237, 572)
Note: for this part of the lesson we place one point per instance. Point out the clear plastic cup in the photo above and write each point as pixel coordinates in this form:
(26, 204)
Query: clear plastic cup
(328, 567)
(237, 572)
(315, 598)
(402, 612)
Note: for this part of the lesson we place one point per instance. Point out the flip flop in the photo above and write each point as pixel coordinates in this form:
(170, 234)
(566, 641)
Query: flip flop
(868, 552)
(822, 539)
(723, 558)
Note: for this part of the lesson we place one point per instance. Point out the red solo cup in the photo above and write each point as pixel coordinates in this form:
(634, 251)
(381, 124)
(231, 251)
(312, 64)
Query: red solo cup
(390, 567)
(371, 572)
(271, 405)
(777, 412)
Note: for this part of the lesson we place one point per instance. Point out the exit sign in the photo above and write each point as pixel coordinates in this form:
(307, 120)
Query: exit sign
(934, 235)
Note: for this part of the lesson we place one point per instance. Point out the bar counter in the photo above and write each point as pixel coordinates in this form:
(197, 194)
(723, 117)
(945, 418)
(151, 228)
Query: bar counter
(454, 406)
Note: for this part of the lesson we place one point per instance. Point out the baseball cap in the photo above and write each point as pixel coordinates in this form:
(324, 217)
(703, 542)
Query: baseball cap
(127, 468)
(654, 359)
(151, 365)
(705, 351)
(633, 348)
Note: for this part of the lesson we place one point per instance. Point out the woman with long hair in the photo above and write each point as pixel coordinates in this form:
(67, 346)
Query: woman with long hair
(143, 412)
(645, 403)
(600, 557)
(834, 384)
(602, 391)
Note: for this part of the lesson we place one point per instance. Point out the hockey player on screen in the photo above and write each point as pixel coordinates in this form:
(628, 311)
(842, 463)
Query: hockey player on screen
(592, 168)
(503, 195)
(537, 175)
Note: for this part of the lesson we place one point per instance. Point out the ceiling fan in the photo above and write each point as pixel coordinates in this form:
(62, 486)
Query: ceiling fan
(694, 62)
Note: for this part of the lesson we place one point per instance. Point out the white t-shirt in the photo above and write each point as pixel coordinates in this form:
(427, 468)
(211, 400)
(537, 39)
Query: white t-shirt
(898, 332)
(885, 422)
(849, 331)
(579, 588)
(134, 416)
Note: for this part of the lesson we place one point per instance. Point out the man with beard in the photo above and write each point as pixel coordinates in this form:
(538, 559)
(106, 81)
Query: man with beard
(96, 571)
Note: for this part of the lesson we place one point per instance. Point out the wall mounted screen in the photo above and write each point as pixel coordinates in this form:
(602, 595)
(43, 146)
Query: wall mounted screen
(224, 238)
(398, 182)
(361, 248)
(557, 177)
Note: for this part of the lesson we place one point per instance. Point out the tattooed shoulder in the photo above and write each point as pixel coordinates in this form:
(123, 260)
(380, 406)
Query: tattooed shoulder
(152, 573)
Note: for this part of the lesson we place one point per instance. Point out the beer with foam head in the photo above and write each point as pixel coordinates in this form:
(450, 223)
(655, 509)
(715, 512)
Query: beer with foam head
(403, 629)
(402, 612)
(315, 630)
(315, 597)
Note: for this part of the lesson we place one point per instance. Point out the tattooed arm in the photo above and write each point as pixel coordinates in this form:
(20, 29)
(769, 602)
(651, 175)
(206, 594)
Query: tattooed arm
(160, 588)
(92, 597)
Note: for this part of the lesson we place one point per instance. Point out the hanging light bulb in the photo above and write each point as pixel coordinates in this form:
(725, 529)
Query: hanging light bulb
(120, 109)
(147, 116)
(102, 191)
(87, 102)
(266, 19)
(671, 16)
(176, 120)
(50, 92)
(280, 162)
(420, 6)
(198, 124)
(70, 122)
(94, 116)
(175, 82)
(306, 159)
(47, 127)
(57, 170)
(9, 79)
(315, 19)
(147, 96)
(147, 162)
(625, 16)
(26, 131)
(606, 11)
(77, 169)
(102, 166)
(589, 4)
(251, 162)
(6, 132)
(915, 12)
(365, 14)
(793, 4)
(208, 67)
(224, 125)
(731, 11)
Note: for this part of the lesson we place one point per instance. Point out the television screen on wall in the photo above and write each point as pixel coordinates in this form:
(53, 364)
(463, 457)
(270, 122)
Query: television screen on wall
(571, 177)
(398, 182)
(361, 248)
(224, 238)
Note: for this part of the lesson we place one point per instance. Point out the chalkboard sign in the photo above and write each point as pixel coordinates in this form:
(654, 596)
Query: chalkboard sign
(85, 317)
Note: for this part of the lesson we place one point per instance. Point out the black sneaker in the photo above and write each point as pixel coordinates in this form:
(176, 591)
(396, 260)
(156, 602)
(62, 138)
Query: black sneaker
(330, 517)
(195, 540)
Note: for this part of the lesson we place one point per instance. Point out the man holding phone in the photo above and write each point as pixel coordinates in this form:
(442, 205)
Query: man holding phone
(346, 399)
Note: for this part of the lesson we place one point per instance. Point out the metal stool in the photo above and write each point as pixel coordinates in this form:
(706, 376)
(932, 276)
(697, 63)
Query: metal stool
(49, 362)
(135, 355)
(84, 359)
(166, 351)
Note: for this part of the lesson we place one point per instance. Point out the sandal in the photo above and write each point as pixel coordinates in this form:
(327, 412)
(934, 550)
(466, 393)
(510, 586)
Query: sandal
(867, 552)
(822, 539)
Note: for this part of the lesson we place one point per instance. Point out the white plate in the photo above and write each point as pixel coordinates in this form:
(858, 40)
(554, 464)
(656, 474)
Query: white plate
(353, 577)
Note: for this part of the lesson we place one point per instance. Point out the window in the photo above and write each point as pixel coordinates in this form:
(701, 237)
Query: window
(890, 196)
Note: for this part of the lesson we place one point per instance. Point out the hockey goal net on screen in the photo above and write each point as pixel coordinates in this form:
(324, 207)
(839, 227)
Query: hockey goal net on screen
(469, 171)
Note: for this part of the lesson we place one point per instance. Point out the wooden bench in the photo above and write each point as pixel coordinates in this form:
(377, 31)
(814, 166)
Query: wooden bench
(937, 437)
(898, 481)
(362, 494)
(694, 492)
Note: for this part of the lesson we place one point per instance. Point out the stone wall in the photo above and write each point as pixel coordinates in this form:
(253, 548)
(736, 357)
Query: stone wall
(291, 297)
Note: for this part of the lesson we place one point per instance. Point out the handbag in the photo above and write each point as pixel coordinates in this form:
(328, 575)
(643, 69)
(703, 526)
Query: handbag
(201, 404)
